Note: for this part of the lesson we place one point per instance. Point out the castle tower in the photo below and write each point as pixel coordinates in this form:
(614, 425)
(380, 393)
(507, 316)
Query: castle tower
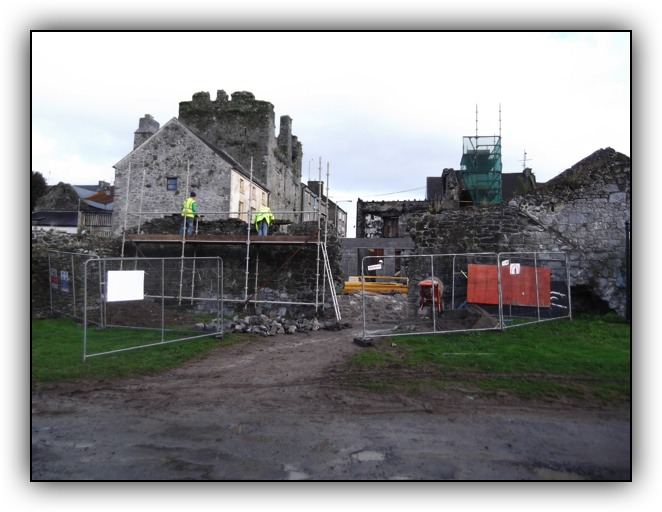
(245, 128)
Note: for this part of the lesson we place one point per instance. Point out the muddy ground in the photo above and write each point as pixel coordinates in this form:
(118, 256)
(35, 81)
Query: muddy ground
(279, 408)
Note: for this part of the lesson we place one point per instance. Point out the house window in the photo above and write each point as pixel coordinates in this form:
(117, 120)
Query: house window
(241, 209)
(171, 183)
(264, 199)
(241, 186)
(253, 194)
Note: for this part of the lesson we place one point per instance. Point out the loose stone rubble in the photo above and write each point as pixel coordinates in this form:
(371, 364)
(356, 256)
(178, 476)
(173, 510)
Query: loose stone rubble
(265, 326)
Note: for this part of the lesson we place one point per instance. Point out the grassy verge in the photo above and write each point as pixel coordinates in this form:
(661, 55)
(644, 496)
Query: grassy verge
(57, 354)
(586, 359)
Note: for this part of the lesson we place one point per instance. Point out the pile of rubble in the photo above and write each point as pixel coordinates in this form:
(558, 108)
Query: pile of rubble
(265, 326)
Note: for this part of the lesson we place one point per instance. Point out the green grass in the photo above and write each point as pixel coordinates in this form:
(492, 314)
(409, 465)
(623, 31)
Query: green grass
(582, 359)
(57, 353)
(586, 359)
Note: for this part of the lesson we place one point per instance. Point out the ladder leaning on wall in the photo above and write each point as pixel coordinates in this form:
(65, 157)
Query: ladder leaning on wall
(329, 276)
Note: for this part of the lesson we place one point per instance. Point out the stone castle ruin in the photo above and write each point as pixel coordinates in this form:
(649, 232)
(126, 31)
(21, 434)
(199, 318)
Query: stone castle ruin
(583, 212)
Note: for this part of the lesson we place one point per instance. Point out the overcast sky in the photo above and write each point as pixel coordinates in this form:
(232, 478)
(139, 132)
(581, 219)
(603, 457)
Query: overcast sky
(381, 110)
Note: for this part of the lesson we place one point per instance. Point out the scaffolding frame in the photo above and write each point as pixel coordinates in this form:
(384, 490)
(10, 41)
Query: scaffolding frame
(481, 168)
(198, 239)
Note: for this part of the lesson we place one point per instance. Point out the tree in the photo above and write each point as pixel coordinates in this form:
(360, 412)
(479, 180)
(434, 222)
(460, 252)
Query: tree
(38, 188)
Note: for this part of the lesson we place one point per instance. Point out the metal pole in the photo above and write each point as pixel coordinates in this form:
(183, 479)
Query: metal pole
(248, 235)
(628, 273)
(163, 299)
(434, 306)
(126, 211)
(319, 209)
(184, 229)
(326, 230)
(140, 207)
(499, 292)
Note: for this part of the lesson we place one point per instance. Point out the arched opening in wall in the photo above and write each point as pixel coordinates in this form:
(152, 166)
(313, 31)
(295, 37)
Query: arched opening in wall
(586, 302)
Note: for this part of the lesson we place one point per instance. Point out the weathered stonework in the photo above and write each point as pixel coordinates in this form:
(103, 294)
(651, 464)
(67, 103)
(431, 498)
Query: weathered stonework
(582, 212)
(277, 273)
(383, 219)
(245, 128)
(173, 152)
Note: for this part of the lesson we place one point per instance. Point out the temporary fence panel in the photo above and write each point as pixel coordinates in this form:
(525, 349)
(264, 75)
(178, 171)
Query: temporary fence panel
(132, 303)
(429, 295)
(66, 282)
(441, 293)
(535, 286)
(520, 285)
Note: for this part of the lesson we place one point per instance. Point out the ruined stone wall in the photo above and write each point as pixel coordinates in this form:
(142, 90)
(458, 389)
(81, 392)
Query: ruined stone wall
(278, 273)
(245, 128)
(582, 212)
(370, 215)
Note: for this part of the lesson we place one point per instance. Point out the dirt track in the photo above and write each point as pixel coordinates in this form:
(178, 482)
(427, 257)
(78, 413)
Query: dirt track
(274, 409)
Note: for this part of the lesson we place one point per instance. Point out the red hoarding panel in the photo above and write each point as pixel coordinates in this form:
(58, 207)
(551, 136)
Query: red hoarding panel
(482, 287)
(518, 285)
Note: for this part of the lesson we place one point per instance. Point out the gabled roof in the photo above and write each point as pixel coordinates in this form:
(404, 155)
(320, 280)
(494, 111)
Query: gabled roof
(219, 152)
(92, 196)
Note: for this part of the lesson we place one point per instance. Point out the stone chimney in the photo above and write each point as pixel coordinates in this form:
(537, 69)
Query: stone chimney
(147, 127)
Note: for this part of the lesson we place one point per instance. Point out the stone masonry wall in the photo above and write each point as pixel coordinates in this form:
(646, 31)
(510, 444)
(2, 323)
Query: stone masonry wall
(283, 273)
(245, 128)
(172, 152)
(582, 212)
(370, 215)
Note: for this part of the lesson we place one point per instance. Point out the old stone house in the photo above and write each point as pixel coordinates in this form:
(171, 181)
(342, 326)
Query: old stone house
(227, 152)
(154, 179)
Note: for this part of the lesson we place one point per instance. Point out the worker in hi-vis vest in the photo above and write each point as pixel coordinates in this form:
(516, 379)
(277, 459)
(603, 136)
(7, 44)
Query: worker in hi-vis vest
(263, 217)
(189, 212)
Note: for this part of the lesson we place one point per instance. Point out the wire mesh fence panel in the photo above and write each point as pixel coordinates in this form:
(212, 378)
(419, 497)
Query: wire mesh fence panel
(534, 287)
(440, 293)
(138, 302)
(66, 272)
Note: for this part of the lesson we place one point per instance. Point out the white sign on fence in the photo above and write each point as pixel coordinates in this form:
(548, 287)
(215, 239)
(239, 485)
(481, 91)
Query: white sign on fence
(125, 285)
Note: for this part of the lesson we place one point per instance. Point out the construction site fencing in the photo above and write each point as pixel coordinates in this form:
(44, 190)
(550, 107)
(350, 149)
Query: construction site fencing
(441, 293)
(66, 272)
(131, 303)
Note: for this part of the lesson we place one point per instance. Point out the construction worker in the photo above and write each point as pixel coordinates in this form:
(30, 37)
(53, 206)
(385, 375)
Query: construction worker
(263, 217)
(189, 212)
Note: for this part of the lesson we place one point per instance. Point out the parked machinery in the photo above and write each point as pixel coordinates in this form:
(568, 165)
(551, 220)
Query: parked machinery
(431, 290)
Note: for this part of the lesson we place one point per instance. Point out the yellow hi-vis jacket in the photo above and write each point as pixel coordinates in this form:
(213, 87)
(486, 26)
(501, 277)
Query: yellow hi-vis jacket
(264, 213)
(189, 207)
